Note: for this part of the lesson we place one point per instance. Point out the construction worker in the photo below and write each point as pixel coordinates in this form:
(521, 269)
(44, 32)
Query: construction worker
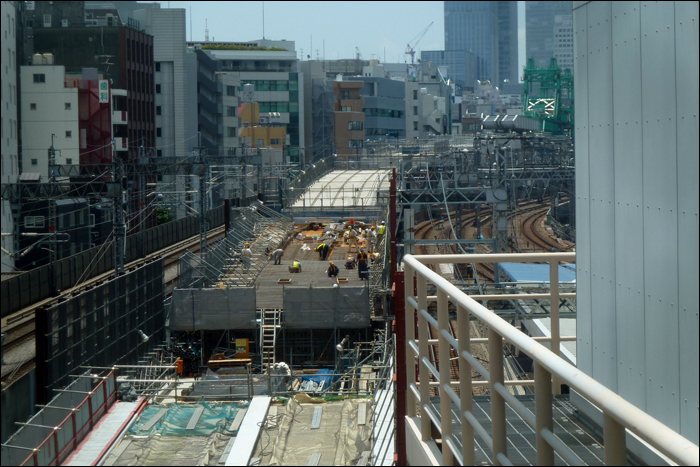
(322, 251)
(246, 256)
(350, 263)
(333, 270)
(362, 270)
(277, 255)
(381, 229)
(295, 267)
(371, 238)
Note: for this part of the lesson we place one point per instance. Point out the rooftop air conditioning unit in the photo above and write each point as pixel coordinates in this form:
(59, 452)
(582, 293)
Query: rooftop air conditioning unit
(64, 23)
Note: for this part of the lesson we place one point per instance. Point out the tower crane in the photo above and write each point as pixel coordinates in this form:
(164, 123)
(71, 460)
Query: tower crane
(416, 40)
(358, 54)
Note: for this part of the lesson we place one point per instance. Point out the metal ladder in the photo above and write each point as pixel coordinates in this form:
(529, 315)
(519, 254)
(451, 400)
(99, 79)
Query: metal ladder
(269, 324)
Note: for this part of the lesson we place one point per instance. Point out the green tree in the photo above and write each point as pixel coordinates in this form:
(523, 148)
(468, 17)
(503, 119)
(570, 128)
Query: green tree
(163, 216)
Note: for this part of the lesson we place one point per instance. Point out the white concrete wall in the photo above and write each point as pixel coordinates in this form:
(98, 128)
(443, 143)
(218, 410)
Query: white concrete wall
(50, 117)
(178, 119)
(9, 127)
(636, 88)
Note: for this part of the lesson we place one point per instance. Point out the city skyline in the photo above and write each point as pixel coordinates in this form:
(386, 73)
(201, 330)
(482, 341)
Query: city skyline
(376, 36)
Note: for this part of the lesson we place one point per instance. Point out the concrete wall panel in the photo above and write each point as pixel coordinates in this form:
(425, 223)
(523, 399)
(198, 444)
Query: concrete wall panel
(602, 192)
(660, 211)
(629, 255)
(637, 203)
(686, 39)
(584, 347)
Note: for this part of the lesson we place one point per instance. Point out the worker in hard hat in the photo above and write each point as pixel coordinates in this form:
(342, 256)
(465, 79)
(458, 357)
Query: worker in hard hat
(333, 270)
(277, 255)
(362, 269)
(322, 251)
(295, 267)
(246, 256)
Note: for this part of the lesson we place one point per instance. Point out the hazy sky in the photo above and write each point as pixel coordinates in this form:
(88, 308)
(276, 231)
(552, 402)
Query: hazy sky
(378, 29)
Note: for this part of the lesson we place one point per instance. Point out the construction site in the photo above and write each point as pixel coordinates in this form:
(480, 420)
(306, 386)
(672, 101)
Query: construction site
(413, 304)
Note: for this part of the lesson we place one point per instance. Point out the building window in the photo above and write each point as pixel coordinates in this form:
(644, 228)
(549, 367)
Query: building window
(35, 162)
(158, 110)
(344, 95)
(415, 110)
(32, 106)
(355, 143)
(355, 126)
(69, 161)
(275, 141)
(67, 107)
(69, 134)
(34, 221)
(39, 78)
(230, 90)
(159, 132)
(259, 143)
(346, 108)
(231, 131)
(159, 152)
(157, 88)
(157, 66)
(415, 126)
(415, 94)
(230, 111)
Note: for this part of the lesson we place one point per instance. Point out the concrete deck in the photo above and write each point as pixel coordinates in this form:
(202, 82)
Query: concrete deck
(269, 292)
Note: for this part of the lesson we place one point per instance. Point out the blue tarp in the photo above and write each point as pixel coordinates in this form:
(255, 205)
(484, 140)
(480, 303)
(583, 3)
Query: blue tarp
(528, 272)
(327, 376)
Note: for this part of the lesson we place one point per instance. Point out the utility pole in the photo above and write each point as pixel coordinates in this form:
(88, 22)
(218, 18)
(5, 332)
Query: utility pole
(119, 250)
(52, 219)
(203, 200)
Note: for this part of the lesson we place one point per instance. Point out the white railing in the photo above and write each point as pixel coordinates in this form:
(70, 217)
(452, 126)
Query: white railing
(550, 372)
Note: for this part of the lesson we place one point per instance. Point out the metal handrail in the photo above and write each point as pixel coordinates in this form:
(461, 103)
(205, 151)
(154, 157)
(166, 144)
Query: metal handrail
(550, 371)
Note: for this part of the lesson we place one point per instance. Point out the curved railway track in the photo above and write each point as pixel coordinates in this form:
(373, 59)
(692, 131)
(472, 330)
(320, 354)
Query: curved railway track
(528, 216)
(19, 327)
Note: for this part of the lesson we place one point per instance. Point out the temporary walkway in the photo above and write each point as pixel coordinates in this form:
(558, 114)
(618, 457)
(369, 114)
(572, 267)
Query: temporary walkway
(344, 191)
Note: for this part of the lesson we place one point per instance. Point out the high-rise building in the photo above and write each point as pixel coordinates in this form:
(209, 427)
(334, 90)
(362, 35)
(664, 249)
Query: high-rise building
(564, 41)
(9, 124)
(473, 26)
(508, 72)
(540, 32)
(489, 31)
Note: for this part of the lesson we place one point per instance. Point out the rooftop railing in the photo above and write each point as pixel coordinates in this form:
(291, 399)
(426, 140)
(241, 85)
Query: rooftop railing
(550, 371)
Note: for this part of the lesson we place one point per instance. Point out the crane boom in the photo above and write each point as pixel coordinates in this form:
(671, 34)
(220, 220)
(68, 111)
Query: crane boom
(410, 49)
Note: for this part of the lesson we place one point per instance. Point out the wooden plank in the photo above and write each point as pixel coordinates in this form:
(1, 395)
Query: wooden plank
(315, 458)
(154, 420)
(364, 458)
(237, 421)
(362, 413)
(195, 418)
(316, 419)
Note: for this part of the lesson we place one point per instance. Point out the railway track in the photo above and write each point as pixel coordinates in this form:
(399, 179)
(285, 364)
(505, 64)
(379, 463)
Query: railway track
(529, 214)
(19, 327)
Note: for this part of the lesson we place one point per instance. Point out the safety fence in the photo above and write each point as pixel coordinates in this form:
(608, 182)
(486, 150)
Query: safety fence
(51, 435)
(550, 371)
